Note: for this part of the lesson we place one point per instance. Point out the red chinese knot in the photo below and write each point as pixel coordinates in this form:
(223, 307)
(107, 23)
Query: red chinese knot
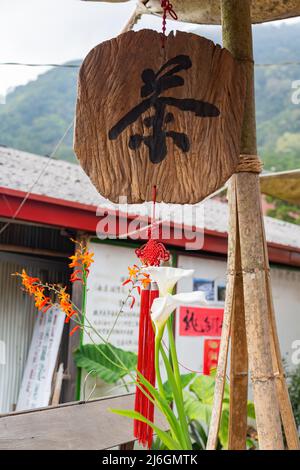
(152, 253)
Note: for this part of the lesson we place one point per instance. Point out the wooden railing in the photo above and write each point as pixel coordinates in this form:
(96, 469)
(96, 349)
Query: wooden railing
(73, 426)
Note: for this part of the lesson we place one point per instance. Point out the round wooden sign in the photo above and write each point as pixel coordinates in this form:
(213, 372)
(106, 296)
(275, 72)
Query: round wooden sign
(168, 117)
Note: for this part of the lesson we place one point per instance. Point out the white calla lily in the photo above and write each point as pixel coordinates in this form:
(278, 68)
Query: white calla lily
(162, 307)
(167, 277)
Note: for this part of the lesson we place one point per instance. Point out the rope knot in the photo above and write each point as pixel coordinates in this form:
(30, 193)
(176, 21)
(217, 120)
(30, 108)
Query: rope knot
(167, 10)
(249, 164)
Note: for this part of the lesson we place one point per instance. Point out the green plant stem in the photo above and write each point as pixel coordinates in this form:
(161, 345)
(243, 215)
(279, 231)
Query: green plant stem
(174, 355)
(175, 366)
(158, 338)
(184, 434)
(178, 401)
(84, 300)
(79, 321)
(125, 384)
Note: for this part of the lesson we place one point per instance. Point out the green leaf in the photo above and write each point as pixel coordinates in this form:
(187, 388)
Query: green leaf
(224, 428)
(250, 410)
(199, 435)
(178, 400)
(163, 405)
(185, 379)
(250, 443)
(158, 444)
(196, 410)
(101, 360)
(203, 387)
(170, 443)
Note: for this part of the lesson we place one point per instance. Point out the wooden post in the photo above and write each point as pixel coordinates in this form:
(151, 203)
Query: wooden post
(71, 385)
(237, 38)
(57, 385)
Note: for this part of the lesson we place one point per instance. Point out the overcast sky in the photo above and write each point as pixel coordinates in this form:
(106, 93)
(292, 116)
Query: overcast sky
(56, 31)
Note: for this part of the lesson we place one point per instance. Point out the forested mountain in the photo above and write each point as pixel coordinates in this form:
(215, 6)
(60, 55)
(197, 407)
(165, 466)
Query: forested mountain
(37, 114)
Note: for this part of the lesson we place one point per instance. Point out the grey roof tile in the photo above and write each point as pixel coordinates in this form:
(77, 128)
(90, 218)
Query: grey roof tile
(21, 170)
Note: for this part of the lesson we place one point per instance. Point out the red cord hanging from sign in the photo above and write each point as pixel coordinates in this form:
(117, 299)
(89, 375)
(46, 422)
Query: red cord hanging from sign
(150, 254)
(153, 252)
(167, 9)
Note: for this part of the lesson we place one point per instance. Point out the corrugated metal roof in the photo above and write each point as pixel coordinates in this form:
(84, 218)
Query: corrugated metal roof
(67, 181)
(31, 236)
(284, 185)
(16, 331)
(17, 317)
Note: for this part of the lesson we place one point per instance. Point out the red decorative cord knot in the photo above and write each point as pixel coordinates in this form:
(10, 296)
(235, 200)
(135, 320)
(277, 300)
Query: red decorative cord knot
(152, 253)
(167, 9)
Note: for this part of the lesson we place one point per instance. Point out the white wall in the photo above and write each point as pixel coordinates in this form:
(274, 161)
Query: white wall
(286, 295)
(110, 268)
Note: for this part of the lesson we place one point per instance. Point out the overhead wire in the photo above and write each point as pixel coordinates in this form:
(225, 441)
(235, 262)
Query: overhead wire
(51, 157)
(76, 66)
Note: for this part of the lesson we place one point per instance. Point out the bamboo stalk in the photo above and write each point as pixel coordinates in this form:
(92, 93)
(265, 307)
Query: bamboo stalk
(238, 353)
(237, 37)
(222, 365)
(286, 411)
(226, 328)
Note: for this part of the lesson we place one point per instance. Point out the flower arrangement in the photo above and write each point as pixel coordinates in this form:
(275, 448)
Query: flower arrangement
(163, 303)
(81, 260)
(178, 438)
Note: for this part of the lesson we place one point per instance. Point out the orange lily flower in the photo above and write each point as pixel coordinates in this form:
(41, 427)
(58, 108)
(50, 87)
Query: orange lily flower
(75, 260)
(74, 329)
(74, 276)
(145, 281)
(81, 259)
(65, 304)
(30, 283)
(87, 259)
(133, 271)
(41, 301)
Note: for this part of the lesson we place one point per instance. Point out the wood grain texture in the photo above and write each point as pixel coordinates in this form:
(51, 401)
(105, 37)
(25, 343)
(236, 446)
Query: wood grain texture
(110, 86)
(75, 426)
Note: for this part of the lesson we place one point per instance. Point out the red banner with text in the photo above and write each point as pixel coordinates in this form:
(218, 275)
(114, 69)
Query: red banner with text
(200, 321)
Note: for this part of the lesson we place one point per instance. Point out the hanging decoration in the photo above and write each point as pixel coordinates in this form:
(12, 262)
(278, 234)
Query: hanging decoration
(150, 254)
(142, 431)
(169, 116)
(167, 8)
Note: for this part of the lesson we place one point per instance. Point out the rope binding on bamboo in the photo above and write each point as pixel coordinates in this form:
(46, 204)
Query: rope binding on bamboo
(249, 164)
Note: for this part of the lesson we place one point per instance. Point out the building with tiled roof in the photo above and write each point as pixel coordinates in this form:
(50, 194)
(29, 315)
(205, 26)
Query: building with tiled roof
(45, 202)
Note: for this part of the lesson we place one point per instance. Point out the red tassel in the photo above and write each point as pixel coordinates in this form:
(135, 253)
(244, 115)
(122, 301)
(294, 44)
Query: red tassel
(145, 366)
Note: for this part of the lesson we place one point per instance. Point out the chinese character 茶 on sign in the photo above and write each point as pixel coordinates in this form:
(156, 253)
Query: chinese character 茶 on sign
(146, 118)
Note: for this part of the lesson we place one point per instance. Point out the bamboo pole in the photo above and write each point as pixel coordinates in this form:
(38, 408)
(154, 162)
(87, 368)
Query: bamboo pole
(237, 38)
(237, 426)
(238, 353)
(222, 365)
(286, 411)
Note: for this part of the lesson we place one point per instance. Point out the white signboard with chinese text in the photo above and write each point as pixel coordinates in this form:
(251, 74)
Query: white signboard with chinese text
(105, 295)
(35, 391)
